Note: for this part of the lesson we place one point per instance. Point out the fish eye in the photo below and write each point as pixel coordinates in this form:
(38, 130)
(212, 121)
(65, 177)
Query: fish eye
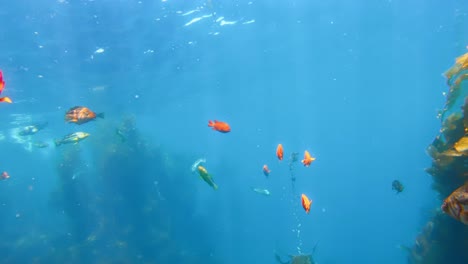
(444, 206)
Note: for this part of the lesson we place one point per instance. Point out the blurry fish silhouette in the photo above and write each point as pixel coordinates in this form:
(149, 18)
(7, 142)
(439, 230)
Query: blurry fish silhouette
(40, 144)
(4, 175)
(266, 171)
(2, 86)
(261, 191)
(32, 129)
(397, 186)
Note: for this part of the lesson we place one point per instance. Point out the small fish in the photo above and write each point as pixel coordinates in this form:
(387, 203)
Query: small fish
(6, 99)
(71, 138)
(397, 186)
(261, 191)
(81, 115)
(456, 204)
(307, 159)
(99, 51)
(2, 86)
(40, 144)
(207, 177)
(306, 203)
(222, 127)
(28, 130)
(4, 175)
(2, 82)
(32, 129)
(266, 171)
(279, 152)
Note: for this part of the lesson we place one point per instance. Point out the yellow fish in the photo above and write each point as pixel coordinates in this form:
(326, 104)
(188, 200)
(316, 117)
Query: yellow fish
(207, 177)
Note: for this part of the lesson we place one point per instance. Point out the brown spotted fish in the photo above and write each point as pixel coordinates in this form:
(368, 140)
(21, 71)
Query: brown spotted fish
(456, 204)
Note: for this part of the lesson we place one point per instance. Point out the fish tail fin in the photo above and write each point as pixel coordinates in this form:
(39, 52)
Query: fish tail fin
(215, 186)
(6, 100)
(210, 123)
(464, 217)
(101, 115)
(58, 142)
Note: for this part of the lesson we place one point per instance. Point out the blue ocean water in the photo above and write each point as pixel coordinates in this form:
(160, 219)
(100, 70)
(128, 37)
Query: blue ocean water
(356, 83)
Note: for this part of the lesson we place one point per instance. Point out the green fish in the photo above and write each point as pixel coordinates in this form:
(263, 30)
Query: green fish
(207, 177)
(71, 138)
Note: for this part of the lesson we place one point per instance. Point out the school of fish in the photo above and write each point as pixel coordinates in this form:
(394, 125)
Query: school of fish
(77, 114)
(224, 127)
(80, 115)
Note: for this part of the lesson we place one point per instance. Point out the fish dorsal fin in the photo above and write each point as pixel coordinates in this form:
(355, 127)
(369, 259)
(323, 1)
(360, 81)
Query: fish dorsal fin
(74, 108)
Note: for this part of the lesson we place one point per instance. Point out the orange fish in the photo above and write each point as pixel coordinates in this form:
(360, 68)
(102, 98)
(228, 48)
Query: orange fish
(279, 152)
(306, 203)
(2, 82)
(2, 86)
(307, 159)
(6, 99)
(81, 115)
(4, 175)
(222, 127)
(266, 171)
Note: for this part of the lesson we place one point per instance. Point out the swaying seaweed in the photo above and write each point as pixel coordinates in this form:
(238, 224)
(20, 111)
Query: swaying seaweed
(444, 239)
(121, 204)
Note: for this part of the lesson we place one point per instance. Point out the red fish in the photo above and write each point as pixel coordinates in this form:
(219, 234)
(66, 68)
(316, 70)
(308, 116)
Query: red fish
(266, 171)
(307, 159)
(306, 203)
(279, 152)
(2, 82)
(222, 127)
(2, 86)
(81, 115)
